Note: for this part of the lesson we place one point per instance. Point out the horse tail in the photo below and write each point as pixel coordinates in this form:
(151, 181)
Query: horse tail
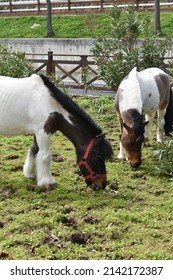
(168, 127)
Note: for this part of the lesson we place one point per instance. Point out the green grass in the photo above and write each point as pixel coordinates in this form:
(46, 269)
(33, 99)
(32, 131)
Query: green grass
(131, 219)
(84, 26)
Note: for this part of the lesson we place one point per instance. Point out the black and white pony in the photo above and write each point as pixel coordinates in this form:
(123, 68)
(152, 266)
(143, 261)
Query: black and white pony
(139, 96)
(33, 105)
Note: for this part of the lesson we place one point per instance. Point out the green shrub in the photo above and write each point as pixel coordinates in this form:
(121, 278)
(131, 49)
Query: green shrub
(13, 63)
(117, 55)
(164, 157)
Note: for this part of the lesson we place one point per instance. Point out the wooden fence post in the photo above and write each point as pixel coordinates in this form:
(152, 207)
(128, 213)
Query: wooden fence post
(38, 3)
(101, 5)
(69, 5)
(50, 64)
(11, 7)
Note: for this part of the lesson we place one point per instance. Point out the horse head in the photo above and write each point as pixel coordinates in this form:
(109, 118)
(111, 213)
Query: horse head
(91, 160)
(132, 139)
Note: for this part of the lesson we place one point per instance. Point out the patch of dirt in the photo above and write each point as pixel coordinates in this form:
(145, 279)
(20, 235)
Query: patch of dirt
(91, 220)
(70, 222)
(31, 188)
(6, 192)
(39, 189)
(159, 192)
(115, 235)
(2, 224)
(5, 256)
(50, 240)
(57, 158)
(113, 186)
(68, 209)
(137, 199)
(16, 168)
(138, 174)
(79, 238)
(11, 157)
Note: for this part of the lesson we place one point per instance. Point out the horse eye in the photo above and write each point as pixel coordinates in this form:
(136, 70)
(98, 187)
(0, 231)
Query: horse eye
(97, 158)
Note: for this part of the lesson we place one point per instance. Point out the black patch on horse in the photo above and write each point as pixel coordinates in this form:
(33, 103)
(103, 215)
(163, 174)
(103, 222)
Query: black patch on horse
(168, 127)
(69, 105)
(133, 117)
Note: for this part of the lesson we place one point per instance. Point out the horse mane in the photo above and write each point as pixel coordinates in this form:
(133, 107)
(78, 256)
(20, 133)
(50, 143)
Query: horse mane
(105, 150)
(69, 105)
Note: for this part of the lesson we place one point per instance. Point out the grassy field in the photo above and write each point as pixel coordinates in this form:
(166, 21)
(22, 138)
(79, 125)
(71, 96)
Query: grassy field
(84, 26)
(131, 219)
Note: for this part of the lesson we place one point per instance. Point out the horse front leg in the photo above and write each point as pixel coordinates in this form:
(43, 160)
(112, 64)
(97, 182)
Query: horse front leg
(43, 161)
(122, 152)
(29, 168)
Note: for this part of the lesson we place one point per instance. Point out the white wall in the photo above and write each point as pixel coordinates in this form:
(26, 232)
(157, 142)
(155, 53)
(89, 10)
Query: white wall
(58, 46)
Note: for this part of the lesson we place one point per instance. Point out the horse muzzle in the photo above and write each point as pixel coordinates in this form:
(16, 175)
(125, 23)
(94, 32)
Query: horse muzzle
(96, 185)
(135, 164)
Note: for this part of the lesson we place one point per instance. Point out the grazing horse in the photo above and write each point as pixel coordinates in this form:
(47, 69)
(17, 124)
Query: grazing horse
(33, 105)
(139, 96)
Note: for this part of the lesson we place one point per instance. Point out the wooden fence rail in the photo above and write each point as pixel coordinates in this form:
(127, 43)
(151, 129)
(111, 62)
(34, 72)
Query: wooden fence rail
(39, 7)
(71, 70)
(76, 71)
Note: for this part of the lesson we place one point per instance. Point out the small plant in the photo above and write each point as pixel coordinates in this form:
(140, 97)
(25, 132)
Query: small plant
(14, 63)
(170, 68)
(164, 164)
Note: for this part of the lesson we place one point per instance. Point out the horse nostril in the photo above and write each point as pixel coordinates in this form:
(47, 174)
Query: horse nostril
(94, 187)
(136, 164)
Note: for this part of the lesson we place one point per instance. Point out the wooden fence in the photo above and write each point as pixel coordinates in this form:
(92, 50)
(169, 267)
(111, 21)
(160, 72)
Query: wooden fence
(76, 71)
(39, 7)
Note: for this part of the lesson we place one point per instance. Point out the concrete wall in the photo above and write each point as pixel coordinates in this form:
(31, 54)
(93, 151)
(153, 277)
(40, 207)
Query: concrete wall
(58, 46)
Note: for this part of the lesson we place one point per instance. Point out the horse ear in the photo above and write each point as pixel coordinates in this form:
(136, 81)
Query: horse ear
(145, 123)
(128, 128)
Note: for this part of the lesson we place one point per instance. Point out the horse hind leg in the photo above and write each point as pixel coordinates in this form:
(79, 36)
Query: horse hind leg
(160, 125)
(29, 168)
(149, 118)
(122, 152)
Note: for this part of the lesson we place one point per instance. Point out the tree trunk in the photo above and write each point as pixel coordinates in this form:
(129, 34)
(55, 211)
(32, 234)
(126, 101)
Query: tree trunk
(50, 32)
(157, 24)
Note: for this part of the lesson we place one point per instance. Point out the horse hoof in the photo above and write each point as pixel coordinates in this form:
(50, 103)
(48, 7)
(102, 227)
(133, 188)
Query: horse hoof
(121, 157)
(47, 187)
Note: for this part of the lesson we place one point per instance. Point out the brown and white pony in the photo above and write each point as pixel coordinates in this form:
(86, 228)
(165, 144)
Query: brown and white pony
(139, 96)
(33, 105)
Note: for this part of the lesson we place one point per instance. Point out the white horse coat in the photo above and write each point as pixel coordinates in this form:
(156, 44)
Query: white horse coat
(141, 94)
(21, 103)
(33, 105)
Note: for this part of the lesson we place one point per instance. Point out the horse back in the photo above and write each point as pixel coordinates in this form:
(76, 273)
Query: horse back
(155, 88)
(145, 91)
(20, 100)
